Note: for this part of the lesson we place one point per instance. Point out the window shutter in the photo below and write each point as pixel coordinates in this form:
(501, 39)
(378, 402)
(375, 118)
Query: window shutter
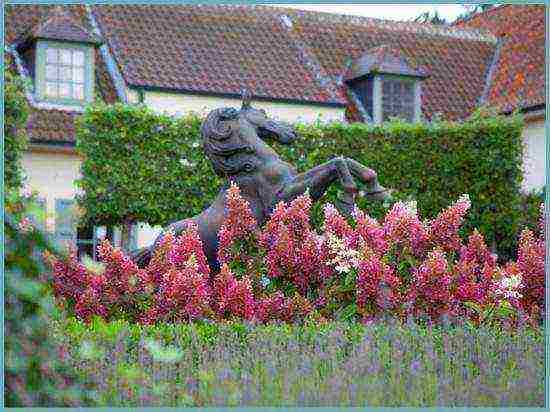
(65, 222)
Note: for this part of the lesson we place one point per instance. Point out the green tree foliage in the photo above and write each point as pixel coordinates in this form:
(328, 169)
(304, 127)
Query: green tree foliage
(473, 9)
(142, 166)
(16, 112)
(431, 18)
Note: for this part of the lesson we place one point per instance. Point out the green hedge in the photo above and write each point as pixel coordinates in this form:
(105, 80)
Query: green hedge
(16, 112)
(150, 167)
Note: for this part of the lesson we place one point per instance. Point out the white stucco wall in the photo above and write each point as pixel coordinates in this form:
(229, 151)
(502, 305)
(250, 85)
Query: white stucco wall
(534, 153)
(52, 175)
(178, 104)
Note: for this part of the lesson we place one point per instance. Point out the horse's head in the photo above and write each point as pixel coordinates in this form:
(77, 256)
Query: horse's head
(266, 127)
(230, 136)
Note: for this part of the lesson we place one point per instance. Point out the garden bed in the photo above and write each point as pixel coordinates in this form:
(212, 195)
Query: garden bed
(334, 364)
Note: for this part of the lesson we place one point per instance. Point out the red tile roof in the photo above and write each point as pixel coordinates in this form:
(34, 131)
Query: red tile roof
(455, 59)
(214, 49)
(287, 54)
(518, 75)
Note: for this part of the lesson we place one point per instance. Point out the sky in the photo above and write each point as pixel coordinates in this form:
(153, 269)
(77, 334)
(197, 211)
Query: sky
(384, 11)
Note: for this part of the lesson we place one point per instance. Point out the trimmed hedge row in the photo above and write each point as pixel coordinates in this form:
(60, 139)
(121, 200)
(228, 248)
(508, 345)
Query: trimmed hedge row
(143, 166)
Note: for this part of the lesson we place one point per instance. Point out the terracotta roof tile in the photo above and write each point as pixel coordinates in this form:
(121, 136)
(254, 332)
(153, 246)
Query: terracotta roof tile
(383, 59)
(51, 126)
(518, 75)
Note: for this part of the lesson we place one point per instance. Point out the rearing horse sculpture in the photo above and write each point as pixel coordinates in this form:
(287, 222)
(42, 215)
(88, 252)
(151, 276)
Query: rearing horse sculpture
(233, 141)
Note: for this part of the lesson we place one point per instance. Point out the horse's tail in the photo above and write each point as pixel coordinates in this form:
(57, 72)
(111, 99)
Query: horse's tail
(141, 257)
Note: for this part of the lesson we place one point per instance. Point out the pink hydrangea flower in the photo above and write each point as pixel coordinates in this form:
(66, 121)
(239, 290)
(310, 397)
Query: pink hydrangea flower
(232, 297)
(443, 230)
(238, 225)
(403, 228)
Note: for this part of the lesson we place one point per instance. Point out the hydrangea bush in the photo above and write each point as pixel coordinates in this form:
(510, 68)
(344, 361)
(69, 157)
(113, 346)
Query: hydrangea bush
(354, 269)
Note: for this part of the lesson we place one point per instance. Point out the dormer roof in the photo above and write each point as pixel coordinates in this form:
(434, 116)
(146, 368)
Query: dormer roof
(383, 60)
(59, 24)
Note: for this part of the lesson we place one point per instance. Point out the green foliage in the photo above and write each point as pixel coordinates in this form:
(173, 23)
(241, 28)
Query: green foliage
(140, 166)
(530, 209)
(16, 112)
(148, 167)
(34, 374)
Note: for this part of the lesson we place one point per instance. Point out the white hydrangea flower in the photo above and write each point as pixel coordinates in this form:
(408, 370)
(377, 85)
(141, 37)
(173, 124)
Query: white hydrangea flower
(346, 258)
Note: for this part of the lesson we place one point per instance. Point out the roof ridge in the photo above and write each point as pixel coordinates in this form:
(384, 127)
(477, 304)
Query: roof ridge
(485, 12)
(410, 26)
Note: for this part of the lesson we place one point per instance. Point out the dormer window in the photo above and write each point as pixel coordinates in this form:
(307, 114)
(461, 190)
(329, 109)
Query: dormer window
(60, 50)
(385, 85)
(398, 98)
(64, 72)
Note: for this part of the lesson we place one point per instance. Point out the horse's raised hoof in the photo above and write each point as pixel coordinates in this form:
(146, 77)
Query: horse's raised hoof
(381, 195)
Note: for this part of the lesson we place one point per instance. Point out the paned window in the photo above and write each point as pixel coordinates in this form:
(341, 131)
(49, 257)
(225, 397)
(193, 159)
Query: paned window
(64, 73)
(397, 99)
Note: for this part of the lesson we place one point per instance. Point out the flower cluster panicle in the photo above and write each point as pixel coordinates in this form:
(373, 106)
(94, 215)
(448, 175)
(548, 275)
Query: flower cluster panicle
(368, 233)
(232, 297)
(159, 263)
(183, 295)
(274, 307)
(189, 245)
(377, 287)
(123, 275)
(530, 261)
(293, 250)
(475, 270)
(431, 286)
(239, 224)
(403, 228)
(69, 276)
(90, 304)
(508, 285)
(342, 257)
(443, 230)
(335, 223)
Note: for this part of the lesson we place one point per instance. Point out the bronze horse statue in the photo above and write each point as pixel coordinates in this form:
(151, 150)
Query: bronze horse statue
(233, 140)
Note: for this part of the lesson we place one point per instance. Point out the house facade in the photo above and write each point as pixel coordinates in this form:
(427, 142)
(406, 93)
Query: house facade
(299, 66)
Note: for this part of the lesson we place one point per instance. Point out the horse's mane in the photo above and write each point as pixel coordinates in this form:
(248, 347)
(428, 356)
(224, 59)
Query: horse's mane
(222, 145)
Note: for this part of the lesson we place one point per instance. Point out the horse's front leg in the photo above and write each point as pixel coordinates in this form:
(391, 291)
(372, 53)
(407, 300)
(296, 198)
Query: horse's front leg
(319, 179)
(369, 177)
